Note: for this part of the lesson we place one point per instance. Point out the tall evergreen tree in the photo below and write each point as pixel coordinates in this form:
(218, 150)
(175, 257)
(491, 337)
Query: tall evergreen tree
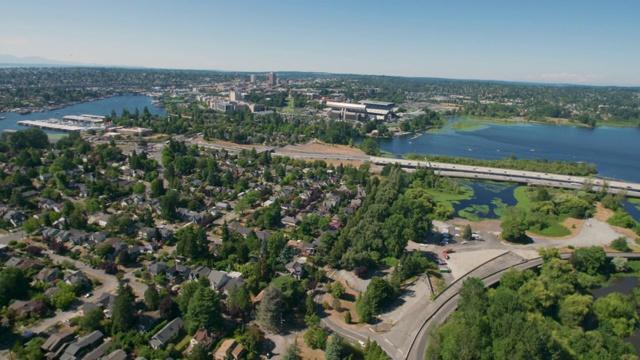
(269, 312)
(123, 311)
(152, 297)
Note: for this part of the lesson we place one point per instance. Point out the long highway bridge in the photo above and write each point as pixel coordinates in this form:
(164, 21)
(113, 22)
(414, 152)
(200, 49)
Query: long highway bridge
(455, 170)
(519, 176)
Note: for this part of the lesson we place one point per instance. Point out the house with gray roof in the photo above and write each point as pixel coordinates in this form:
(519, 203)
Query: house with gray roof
(55, 344)
(166, 334)
(217, 279)
(82, 345)
(157, 268)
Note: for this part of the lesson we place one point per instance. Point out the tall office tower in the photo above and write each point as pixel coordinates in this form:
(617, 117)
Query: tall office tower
(253, 78)
(272, 79)
(235, 95)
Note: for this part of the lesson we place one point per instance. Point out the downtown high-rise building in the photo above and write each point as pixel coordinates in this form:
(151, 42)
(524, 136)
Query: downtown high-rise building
(272, 79)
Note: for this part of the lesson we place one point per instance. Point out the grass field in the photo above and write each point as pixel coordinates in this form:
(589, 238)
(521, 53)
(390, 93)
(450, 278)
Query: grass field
(56, 136)
(466, 126)
(387, 154)
(554, 228)
(520, 193)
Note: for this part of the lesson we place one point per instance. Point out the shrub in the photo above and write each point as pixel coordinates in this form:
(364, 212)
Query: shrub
(620, 244)
(316, 337)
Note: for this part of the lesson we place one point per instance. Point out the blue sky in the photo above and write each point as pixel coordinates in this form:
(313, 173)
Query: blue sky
(583, 42)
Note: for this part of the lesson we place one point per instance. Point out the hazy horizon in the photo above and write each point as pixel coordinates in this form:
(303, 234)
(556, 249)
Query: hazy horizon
(586, 43)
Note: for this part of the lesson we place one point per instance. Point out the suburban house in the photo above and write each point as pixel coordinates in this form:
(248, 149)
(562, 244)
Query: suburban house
(21, 307)
(230, 349)
(166, 334)
(54, 345)
(47, 275)
(82, 345)
(178, 272)
(217, 279)
(76, 278)
(203, 337)
(157, 268)
(296, 269)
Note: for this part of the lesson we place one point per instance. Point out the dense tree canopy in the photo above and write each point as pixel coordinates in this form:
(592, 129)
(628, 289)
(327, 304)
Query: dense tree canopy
(545, 316)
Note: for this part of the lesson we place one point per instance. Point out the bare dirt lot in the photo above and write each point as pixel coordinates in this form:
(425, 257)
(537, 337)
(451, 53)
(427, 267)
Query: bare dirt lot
(316, 146)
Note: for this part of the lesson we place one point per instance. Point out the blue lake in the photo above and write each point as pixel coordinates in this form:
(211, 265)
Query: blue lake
(614, 150)
(98, 107)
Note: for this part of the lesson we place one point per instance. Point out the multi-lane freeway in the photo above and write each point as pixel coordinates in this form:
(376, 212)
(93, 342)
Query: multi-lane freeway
(520, 176)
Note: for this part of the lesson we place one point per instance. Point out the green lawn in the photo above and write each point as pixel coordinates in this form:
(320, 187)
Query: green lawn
(554, 229)
(520, 193)
(183, 344)
(56, 136)
(466, 126)
(387, 154)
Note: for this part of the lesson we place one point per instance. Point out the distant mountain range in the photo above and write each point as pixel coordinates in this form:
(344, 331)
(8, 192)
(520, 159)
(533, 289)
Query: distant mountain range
(10, 60)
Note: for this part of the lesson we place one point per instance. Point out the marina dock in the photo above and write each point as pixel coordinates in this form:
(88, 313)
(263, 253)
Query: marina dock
(68, 123)
(51, 125)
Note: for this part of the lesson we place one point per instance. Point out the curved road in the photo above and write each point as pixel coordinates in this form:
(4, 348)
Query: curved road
(419, 346)
(409, 338)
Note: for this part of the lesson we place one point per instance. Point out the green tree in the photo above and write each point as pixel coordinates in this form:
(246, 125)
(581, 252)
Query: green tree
(123, 311)
(292, 352)
(370, 147)
(204, 310)
(347, 317)
(168, 204)
(618, 311)
(13, 285)
(65, 297)
(139, 188)
(269, 311)
(152, 297)
(252, 339)
(192, 242)
(316, 337)
(240, 299)
(199, 352)
(621, 264)
(574, 309)
(591, 260)
(31, 225)
(466, 232)
(620, 244)
(91, 320)
(334, 348)
(157, 188)
(514, 225)
(337, 290)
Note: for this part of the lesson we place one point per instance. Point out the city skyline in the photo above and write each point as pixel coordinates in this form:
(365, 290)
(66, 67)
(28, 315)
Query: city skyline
(542, 41)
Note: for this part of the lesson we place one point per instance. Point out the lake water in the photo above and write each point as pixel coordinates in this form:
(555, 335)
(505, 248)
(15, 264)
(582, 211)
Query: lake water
(632, 209)
(625, 286)
(614, 150)
(99, 107)
(488, 201)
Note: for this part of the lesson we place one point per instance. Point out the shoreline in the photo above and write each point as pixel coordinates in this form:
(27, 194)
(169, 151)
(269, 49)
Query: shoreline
(520, 120)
